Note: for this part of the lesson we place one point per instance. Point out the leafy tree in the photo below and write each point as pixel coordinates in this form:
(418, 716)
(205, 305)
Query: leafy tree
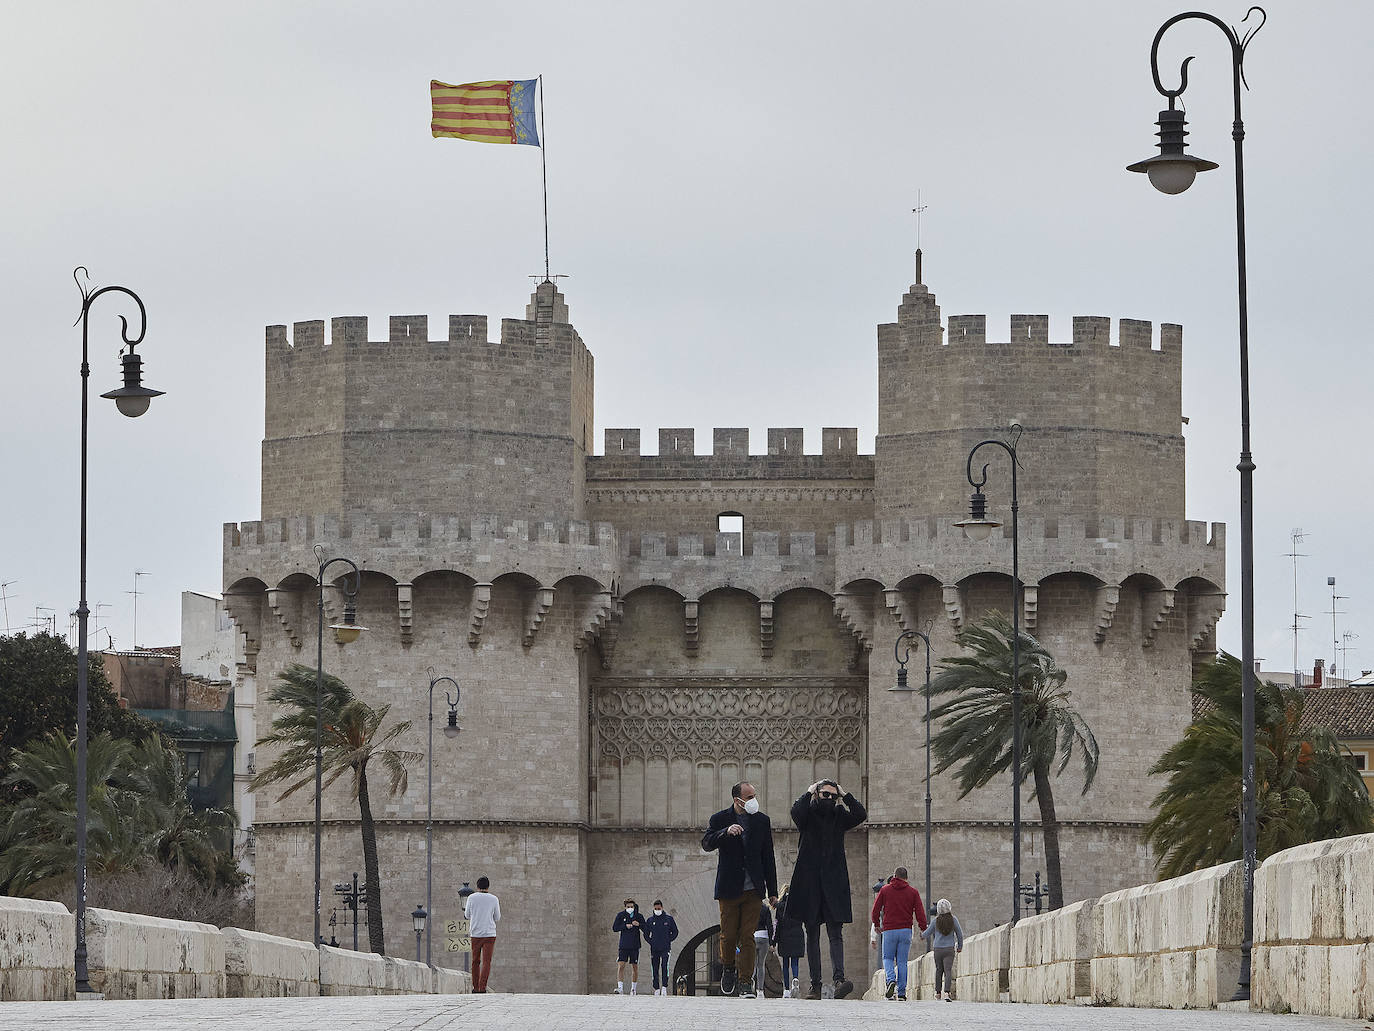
(353, 738)
(1306, 788)
(975, 721)
(38, 695)
(197, 841)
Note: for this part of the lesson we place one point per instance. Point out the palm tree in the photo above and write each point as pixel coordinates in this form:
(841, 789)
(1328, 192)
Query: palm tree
(1306, 787)
(38, 840)
(976, 723)
(181, 836)
(352, 738)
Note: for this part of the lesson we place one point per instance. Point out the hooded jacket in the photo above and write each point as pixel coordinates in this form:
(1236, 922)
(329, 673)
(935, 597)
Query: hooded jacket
(629, 936)
(897, 906)
(660, 932)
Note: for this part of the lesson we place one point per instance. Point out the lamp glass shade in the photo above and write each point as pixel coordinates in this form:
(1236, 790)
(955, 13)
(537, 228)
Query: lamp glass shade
(1172, 176)
(452, 731)
(418, 917)
(978, 529)
(133, 407)
(347, 633)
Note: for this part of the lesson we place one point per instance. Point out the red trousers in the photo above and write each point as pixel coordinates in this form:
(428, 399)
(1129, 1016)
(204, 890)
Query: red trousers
(481, 962)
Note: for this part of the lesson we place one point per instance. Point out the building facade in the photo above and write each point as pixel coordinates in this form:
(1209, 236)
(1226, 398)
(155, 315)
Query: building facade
(635, 632)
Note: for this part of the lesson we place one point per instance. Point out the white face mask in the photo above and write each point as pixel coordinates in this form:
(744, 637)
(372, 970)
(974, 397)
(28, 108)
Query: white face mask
(658, 912)
(630, 910)
(751, 806)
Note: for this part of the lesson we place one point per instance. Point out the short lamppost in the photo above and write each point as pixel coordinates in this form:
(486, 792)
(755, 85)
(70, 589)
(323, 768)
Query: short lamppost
(978, 527)
(463, 894)
(344, 633)
(451, 731)
(902, 652)
(131, 400)
(1172, 170)
(333, 922)
(418, 918)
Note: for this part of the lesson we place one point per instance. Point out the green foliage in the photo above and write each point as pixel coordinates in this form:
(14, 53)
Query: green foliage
(38, 695)
(352, 738)
(137, 810)
(1306, 788)
(975, 723)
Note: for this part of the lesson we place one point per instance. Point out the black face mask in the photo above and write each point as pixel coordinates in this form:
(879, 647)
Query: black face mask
(826, 804)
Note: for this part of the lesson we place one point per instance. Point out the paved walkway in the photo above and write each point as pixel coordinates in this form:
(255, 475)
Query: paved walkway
(599, 1013)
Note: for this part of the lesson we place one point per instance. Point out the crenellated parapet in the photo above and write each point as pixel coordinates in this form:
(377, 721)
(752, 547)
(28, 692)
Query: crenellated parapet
(729, 459)
(405, 547)
(1109, 548)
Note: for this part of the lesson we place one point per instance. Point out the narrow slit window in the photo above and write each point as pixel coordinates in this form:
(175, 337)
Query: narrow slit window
(731, 526)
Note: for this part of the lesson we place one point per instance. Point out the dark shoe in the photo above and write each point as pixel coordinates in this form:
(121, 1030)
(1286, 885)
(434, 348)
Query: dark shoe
(729, 980)
(843, 987)
(815, 991)
(746, 990)
(901, 998)
(891, 989)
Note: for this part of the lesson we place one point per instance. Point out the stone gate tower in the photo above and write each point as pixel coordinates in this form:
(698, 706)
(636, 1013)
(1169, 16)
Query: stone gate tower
(626, 655)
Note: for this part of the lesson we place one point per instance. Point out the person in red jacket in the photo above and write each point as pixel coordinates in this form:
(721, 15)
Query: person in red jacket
(896, 908)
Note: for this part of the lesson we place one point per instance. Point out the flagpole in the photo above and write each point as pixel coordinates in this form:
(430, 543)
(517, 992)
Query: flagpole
(544, 158)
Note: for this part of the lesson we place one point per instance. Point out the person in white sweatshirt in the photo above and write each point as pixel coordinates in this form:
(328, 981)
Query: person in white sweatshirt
(483, 910)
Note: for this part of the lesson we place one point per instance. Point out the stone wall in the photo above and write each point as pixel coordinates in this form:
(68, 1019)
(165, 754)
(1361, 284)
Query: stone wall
(1314, 929)
(343, 972)
(1051, 954)
(264, 966)
(141, 957)
(36, 950)
(980, 971)
(1174, 943)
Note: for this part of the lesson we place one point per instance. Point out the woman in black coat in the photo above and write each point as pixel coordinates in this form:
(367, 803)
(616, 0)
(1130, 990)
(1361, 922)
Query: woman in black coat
(819, 889)
(790, 939)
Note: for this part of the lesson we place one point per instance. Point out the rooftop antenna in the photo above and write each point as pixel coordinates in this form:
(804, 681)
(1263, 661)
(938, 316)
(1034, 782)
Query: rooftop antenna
(1346, 648)
(48, 623)
(135, 592)
(917, 210)
(1335, 642)
(1296, 535)
(5, 600)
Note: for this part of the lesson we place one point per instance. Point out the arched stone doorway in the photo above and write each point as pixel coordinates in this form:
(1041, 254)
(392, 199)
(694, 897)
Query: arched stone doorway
(697, 969)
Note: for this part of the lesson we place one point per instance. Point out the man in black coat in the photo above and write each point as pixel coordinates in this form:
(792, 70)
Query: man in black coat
(819, 891)
(745, 872)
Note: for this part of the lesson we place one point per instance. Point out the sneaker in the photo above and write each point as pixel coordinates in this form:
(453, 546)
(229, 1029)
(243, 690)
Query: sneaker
(891, 989)
(843, 986)
(796, 988)
(634, 987)
(787, 993)
(947, 998)
(901, 998)
(728, 981)
(618, 990)
(746, 989)
(815, 992)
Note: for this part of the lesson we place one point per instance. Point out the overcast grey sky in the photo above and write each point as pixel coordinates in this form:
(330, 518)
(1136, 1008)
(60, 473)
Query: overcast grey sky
(730, 189)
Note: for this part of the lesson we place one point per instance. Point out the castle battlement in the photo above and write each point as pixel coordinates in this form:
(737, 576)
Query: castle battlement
(731, 441)
(1093, 331)
(412, 529)
(346, 332)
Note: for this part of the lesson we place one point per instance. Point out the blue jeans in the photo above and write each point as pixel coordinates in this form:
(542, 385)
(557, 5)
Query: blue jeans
(896, 946)
(791, 970)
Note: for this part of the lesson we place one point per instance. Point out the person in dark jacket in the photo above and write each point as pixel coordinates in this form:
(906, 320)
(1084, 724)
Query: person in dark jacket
(790, 940)
(819, 889)
(897, 907)
(630, 924)
(745, 871)
(660, 930)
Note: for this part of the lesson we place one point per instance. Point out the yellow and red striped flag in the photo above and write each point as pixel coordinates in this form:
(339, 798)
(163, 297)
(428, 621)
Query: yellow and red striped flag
(499, 111)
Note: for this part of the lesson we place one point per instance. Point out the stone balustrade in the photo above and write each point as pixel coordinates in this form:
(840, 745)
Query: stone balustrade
(141, 957)
(1052, 954)
(980, 971)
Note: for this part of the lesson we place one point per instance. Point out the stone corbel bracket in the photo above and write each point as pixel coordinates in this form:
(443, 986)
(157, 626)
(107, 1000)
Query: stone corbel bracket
(246, 612)
(1155, 609)
(897, 605)
(953, 598)
(1030, 606)
(333, 604)
(596, 614)
(286, 606)
(536, 608)
(405, 609)
(1203, 613)
(766, 628)
(610, 633)
(855, 613)
(691, 612)
(477, 614)
(1108, 598)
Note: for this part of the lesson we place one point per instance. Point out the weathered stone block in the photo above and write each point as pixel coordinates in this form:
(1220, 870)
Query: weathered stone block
(344, 972)
(36, 951)
(1051, 954)
(143, 957)
(264, 966)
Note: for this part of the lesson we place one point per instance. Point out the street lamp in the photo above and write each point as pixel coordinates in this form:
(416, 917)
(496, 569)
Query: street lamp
(344, 633)
(333, 922)
(978, 527)
(131, 400)
(902, 654)
(418, 918)
(1172, 171)
(450, 732)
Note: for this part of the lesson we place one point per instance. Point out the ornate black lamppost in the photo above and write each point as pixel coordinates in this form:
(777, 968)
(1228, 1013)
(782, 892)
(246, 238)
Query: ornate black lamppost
(131, 400)
(902, 652)
(419, 919)
(451, 731)
(1173, 171)
(344, 633)
(978, 527)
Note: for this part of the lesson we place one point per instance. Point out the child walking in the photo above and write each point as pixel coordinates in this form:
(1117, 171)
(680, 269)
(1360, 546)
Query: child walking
(790, 937)
(948, 938)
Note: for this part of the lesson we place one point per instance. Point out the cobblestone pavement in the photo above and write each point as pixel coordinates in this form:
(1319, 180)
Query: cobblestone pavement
(585, 1013)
